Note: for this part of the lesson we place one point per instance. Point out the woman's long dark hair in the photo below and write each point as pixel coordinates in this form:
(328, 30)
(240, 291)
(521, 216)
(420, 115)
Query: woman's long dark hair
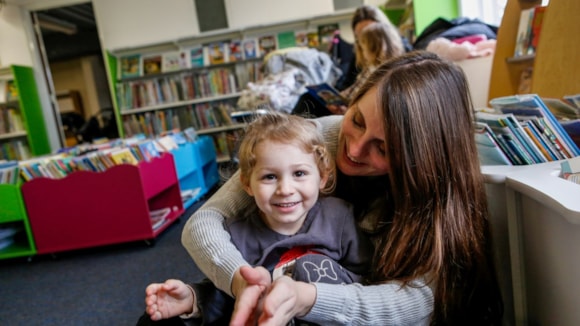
(439, 227)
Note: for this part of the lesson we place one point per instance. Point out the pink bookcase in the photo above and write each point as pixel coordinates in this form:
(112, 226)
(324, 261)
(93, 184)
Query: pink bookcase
(88, 209)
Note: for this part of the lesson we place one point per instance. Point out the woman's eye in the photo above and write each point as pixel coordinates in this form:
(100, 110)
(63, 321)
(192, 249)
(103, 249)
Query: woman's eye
(357, 120)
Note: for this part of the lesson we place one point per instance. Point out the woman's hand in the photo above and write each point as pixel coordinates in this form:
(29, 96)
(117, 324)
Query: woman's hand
(284, 300)
(248, 287)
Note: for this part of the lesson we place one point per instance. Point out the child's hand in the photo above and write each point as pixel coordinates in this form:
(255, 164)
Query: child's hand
(336, 109)
(169, 299)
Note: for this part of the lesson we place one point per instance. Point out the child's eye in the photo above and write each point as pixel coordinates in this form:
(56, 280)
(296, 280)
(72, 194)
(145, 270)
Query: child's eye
(269, 177)
(299, 173)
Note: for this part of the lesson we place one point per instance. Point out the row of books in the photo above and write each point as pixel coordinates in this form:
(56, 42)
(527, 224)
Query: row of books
(8, 172)
(8, 91)
(199, 116)
(529, 28)
(10, 120)
(100, 157)
(14, 149)
(522, 130)
(188, 86)
(233, 50)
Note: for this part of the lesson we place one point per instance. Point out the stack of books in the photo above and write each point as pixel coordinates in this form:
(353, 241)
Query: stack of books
(521, 130)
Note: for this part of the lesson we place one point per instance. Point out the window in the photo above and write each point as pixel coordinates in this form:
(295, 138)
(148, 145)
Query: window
(488, 11)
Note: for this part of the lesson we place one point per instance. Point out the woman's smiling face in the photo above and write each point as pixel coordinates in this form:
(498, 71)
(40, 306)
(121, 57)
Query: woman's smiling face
(362, 144)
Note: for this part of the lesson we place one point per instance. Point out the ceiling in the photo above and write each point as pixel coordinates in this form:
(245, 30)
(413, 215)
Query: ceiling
(68, 32)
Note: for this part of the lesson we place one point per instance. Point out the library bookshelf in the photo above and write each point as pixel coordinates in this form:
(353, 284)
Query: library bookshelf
(13, 218)
(102, 208)
(22, 129)
(196, 166)
(555, 65)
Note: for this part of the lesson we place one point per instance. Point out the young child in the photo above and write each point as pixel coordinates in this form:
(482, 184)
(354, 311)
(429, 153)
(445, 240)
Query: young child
(284, 165)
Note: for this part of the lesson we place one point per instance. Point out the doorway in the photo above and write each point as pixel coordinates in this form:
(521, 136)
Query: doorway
(74, 67)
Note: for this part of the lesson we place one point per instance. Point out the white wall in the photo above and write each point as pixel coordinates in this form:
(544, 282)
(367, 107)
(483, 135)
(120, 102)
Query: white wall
(129, 23)
(256, 12)
(13, 38)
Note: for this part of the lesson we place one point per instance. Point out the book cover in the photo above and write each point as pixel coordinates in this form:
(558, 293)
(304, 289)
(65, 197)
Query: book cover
(286, 40)
(524, 31)
(11, 91)
(217, 52)
(539, 12)
(250, 48)
(267, 44)
(301, 38)
(123, 156)
(130, 66)
(196, 56)
(313, 40)
(488, 148)
(152, 64)
(326, 94)
(235, 50)
(561, 109)
(573, 100)
(175, 60)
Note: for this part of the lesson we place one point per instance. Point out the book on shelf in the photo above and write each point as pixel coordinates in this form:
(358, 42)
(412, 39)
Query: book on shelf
(235, 50)
(152, 64)
(313, 40)
(286, 39)
(529, 30)
(197, 56)
(130, 66)
(15, 149)
(11, 91)
(537, 22)
(524, 32)
(573, 100)
(217, 52)
(159, 216)
(9, 172)
(267, 44)
(250, 48)
(2, 91)
(174, 60)
(489, 149)
(301, 38)
(561, 108)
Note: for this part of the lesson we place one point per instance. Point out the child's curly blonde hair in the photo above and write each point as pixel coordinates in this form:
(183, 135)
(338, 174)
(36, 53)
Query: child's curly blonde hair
(287, 129)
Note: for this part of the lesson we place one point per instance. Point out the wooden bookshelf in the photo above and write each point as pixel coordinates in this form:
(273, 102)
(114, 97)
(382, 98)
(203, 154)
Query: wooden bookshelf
(555, 65)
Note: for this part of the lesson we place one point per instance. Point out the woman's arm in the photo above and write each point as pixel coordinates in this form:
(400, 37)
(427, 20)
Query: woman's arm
(385, 304)
(206, 240)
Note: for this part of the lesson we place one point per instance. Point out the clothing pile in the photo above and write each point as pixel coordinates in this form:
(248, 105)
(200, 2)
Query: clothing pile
(286, 74)
(458, 39)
